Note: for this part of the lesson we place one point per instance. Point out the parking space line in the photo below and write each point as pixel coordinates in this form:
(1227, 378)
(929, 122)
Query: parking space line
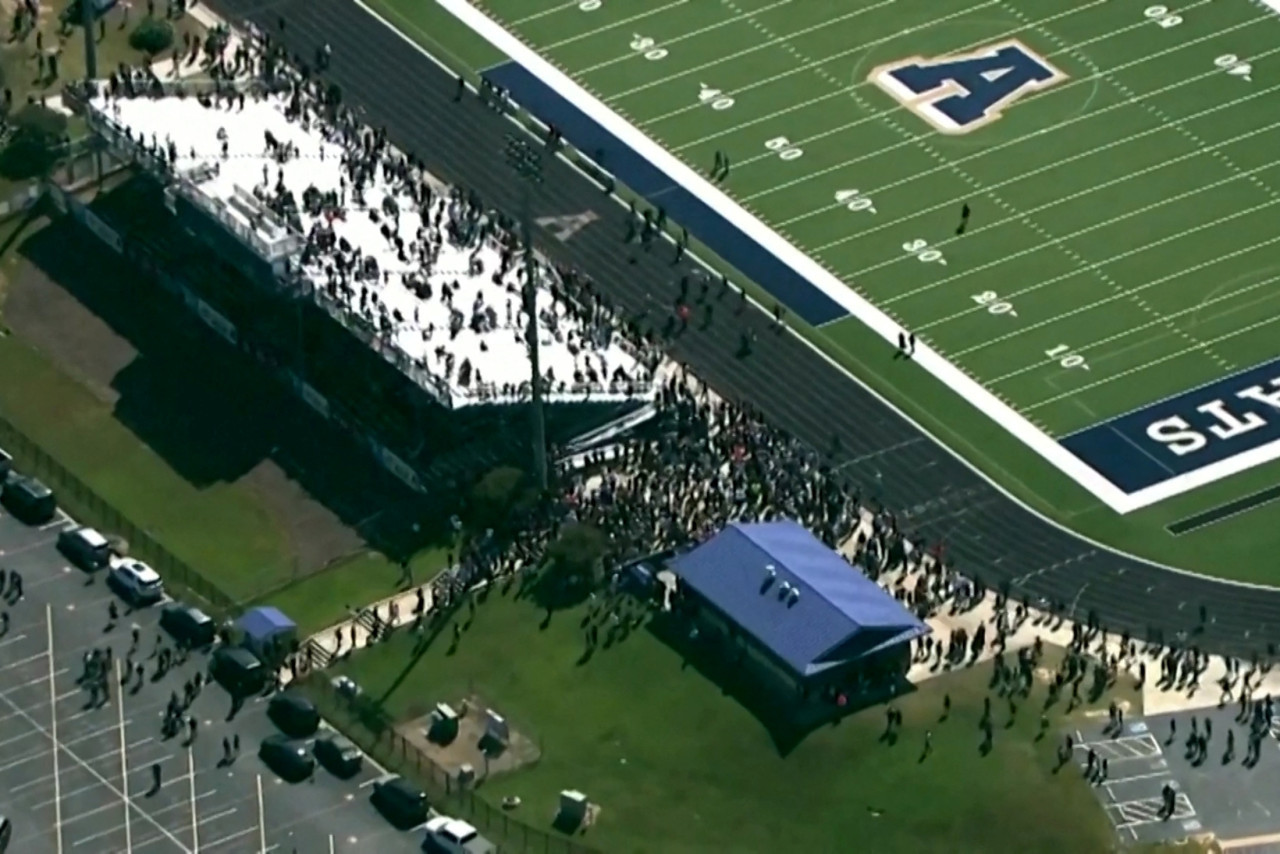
(262, 823)
(191, 776)
(53, 715)
(1164, 772)
(14, 639)
(130, 847)
(35, 781)
(124, 768)
(47, 733)
(25, 759)
(232, 837)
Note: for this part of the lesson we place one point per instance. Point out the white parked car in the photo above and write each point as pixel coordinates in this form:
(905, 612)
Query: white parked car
(453, 836)
(138, 583)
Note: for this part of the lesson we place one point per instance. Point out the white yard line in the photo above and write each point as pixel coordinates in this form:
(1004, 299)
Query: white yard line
(1169, 316)
(1197, 347)
(563, 7)
(1179, 273)
(921, 139)
(1087, 230)
(849, 90)
(1126, 92)
(1001, 146)
(686, 36)
(1017, 217)
(656, 10)
(643, 87)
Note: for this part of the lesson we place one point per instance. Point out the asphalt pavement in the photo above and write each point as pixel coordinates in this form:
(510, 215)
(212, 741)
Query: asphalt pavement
(76, 777)
(937, 496)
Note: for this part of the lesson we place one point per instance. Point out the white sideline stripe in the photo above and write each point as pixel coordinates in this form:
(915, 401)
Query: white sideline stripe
(1128, 102)
(828, 283)
(613, 26)
(1163, 320)
(564, 157)
(854, 87)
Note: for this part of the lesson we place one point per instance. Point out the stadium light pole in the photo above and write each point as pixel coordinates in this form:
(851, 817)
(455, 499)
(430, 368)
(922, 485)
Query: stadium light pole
(90, 75)
(526, 161)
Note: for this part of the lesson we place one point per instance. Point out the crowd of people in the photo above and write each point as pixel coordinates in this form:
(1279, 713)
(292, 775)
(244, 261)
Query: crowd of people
(436, 278)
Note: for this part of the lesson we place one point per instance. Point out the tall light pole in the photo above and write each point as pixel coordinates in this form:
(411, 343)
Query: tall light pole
(526, 161)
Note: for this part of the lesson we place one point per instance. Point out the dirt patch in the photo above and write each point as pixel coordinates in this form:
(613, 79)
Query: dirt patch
(468, 747)
(317, 537)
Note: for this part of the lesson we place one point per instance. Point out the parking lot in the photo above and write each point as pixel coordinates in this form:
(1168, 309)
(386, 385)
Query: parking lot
(76, 777)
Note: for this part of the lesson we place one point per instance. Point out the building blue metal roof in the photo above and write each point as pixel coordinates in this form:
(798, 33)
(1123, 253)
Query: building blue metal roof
(799, 599)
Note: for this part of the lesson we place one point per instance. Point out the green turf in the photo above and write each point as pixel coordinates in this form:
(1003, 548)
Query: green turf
(679, 766)
(1137, 317)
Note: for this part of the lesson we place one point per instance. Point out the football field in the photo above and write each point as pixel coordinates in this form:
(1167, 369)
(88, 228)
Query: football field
(1121, 247)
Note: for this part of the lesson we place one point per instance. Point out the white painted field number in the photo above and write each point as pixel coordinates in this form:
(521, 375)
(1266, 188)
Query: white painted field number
(1066, 358)
(1162, 16)
(1234, 66)
(990, 300)
(590, 5)
(853, 200)
(648, 48)
(924, 252)
(784, 148)
(717, 99)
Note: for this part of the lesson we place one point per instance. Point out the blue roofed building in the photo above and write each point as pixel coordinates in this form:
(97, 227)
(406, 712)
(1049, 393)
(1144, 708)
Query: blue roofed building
(801, 607)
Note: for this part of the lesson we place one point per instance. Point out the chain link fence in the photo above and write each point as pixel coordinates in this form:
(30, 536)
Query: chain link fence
(81, 501)
(366, 723)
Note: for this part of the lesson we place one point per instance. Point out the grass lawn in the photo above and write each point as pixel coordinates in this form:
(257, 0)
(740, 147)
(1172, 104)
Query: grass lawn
(678, 766)
(321, 600)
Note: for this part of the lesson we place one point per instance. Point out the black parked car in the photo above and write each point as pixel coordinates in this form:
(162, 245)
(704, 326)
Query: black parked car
(238, 670)
(189, 626)
(339, 754)
(404, 804)
(287, 757)
(29, 500)
(85, 547)
(294, 714)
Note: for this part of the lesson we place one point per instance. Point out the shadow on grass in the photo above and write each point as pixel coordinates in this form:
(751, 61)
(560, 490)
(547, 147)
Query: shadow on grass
(787, 717)
(213, 414)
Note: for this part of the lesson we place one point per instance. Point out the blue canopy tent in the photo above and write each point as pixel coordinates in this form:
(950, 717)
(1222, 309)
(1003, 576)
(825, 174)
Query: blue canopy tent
(266, 629)
(803, 604)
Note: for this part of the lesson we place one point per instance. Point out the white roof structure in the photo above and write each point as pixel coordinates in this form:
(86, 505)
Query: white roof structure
(500, 368)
